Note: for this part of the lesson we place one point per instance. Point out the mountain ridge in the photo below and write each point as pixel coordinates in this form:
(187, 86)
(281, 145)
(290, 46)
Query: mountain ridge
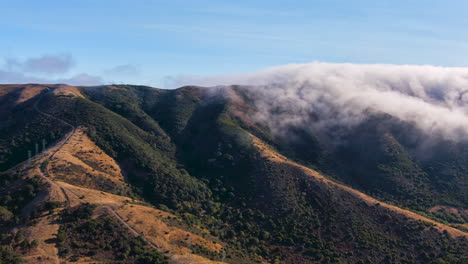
(225, 183)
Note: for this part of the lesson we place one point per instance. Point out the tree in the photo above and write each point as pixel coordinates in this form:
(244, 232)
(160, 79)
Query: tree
(9, 256)
(34, 244)
(5, 215)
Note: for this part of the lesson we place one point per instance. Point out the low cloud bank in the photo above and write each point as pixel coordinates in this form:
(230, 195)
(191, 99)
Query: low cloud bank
(433, 98)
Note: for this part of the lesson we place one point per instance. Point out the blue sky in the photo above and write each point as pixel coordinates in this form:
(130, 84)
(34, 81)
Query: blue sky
(147, 41)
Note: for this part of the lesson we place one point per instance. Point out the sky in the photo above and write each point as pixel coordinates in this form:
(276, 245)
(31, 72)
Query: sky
(149, 42)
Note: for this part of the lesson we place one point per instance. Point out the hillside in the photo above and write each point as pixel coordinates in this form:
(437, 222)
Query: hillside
(135, 174)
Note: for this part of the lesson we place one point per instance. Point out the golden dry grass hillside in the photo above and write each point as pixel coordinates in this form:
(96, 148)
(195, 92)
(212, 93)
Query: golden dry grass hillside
(80, 162)
(161, 230)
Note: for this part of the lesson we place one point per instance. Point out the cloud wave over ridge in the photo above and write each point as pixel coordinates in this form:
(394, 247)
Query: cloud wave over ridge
(435, 99)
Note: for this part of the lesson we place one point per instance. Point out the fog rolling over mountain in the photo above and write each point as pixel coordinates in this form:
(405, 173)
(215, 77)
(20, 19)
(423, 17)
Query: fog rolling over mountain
(315, 163)
(326, 95)
(234, 132)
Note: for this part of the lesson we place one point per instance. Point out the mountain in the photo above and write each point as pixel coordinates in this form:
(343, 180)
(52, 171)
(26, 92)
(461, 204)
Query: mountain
(135, 174)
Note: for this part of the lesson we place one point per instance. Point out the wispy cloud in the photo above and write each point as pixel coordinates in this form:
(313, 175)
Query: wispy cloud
(78, 79)
(45, 69)
(123, 69)
(82, 79)
(48, 64)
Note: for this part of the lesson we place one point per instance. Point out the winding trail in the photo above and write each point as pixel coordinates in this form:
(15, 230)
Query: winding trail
(44, 172)
(70, 195)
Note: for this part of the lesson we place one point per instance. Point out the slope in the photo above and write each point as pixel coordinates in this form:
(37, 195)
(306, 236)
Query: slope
(44, 226)
(192, 155)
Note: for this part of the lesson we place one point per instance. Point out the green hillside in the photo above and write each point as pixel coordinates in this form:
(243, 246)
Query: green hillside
(189, 151)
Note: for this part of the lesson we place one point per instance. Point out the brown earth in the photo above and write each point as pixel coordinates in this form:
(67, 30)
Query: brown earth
(453, 210)
(67, 90)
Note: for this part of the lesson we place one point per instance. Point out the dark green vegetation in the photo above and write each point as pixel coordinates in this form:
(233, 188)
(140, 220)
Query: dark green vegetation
(102, 239)
(13, 198)
(23, 129)
(403, 169)
(9, 256)
(17, 195)
(394, 162)
(147, 156)
(13, 245)
(189, 151)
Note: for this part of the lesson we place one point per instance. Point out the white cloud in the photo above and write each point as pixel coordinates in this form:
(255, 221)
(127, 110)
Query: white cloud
(434, 98)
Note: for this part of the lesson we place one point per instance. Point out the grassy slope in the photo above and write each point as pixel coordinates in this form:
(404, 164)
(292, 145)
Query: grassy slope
(22, 129)
(214, 148)
(144, 156)
(384, 157)
(195, 157)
